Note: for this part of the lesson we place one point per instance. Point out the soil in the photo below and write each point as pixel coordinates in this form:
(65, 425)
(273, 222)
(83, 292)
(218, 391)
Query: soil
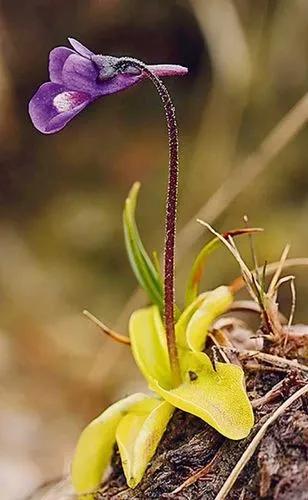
(278, 470)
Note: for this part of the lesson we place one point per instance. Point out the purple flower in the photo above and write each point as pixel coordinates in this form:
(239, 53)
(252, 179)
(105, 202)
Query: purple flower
(79, 77)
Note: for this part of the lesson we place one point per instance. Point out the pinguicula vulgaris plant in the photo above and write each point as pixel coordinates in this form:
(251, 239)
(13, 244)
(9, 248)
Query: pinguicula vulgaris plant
(167, 343)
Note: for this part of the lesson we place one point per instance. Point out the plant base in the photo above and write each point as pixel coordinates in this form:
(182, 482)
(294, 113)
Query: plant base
(278, 469)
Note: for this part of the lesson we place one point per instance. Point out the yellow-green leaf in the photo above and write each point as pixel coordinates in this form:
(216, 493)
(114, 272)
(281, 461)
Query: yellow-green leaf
(149, 347)
(218, 397)
(197, 270)
(95, 445)
(215, 303)
(138, 435)
(144, 269)
(181, 325)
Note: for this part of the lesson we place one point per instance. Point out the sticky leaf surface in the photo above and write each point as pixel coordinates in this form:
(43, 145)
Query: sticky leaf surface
(185, 317)
(217, 397)
(138, 435)
(149, 347)
(215, 303)
(95, 445)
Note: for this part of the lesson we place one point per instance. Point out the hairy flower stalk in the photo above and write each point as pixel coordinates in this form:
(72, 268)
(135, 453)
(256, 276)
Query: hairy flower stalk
(171, 212)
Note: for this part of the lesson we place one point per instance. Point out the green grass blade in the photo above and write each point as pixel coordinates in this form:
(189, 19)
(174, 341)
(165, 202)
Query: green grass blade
(144, 269)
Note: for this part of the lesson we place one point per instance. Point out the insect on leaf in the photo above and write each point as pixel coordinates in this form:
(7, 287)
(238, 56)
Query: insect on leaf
(215, 303)
(95, 446)
(139, 434)
(144, 269)
(216, 396)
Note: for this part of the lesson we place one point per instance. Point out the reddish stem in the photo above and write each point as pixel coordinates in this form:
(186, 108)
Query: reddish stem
(171, 212)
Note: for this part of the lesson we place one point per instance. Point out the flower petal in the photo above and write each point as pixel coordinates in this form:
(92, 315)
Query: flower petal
(53, 106)
(81, 49)
(82, 74)
(79, 73)
(57, 58)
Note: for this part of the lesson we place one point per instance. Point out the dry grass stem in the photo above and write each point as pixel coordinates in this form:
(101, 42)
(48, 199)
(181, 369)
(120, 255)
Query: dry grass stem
(271, 358)
(273, 285)
(239, 283)
(118, 337)
(229, 243)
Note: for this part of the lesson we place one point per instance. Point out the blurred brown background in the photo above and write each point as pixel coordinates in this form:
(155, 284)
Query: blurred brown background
(61, 245)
